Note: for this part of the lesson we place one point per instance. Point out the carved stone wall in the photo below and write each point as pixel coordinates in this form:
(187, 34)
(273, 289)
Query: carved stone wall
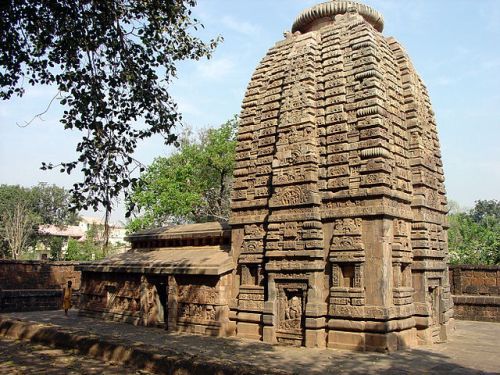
(116, 296)
(179, 303)
(339, 204)
(199, 304)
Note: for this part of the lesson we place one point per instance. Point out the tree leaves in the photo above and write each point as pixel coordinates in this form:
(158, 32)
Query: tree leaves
(474, 236)
(192, 185)
(17, 227)
(104, 58)
(41, 204)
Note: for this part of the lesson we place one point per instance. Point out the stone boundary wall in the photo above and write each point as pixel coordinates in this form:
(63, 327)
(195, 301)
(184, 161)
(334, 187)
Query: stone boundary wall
(36, 285)
(36, 274)
(476, 292)
(30, 300)
(32, 285)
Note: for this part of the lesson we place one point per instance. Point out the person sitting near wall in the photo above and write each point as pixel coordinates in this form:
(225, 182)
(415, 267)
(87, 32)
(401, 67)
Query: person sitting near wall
(67, 295)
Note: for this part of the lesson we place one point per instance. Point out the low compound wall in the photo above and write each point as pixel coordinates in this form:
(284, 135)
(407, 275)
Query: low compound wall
(35, 274)
(476, 292)
(30, 300)
(35, 285)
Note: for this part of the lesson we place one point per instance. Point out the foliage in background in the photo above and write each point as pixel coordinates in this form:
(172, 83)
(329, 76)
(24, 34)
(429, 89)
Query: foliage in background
(474, 235)
(17, 228)
(41, 204)
(112, 63)
(191, 185)
(55, 244)
(91, 248)
(51, 204)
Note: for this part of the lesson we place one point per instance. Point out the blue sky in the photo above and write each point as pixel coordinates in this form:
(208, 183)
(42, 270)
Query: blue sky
(454, 45)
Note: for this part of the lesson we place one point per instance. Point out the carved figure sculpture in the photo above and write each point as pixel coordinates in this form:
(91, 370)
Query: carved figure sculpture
(294, 310)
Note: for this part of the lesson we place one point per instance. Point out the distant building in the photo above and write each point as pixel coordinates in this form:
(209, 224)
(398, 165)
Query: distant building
(117, 233)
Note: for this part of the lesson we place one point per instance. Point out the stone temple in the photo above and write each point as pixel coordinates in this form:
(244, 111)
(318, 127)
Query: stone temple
(337, 235)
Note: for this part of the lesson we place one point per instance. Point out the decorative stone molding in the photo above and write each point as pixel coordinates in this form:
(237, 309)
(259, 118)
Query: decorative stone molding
(334, 7)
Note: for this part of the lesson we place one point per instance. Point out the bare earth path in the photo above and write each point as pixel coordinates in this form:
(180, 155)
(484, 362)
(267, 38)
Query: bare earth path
(473, 349)
(18, 357)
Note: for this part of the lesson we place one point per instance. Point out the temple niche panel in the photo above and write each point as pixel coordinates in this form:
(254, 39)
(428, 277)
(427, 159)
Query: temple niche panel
(338, 209)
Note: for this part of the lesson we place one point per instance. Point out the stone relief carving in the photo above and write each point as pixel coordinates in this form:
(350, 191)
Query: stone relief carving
(347, 226)
(345, 243)
(197, 294)
(197, 313)
(290, 196)
(254, 231)
(290, 312)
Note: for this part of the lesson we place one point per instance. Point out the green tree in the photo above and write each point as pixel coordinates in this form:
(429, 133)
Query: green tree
(17, 228)
(51, 204)
(474, 235)
(90, 249)
(484, 209)
(10, 195)
(55, 245)
(41, 204)
(112, 63)
(191, 185)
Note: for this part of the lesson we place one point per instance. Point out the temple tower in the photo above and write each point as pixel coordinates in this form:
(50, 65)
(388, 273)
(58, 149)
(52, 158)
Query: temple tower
(338, 208)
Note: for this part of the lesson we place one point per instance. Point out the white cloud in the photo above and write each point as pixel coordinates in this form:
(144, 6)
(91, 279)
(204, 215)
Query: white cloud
(445, 81)
(242, 27)
(215, 69)
(186, 106)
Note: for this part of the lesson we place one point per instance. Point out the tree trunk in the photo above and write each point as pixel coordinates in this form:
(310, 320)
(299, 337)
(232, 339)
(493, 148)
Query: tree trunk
(18, 228)
(106, 231)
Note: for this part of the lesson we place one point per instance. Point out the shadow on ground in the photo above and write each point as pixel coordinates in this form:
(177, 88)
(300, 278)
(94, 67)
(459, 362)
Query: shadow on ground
(18, 357)
(472, 350)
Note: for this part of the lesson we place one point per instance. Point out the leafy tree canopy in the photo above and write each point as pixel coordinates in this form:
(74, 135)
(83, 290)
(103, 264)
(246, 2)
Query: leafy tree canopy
(112, 63)
(41, 204)
(191, 185)
(484, 209)
(49, 204)
(474, 235)
(89, 249)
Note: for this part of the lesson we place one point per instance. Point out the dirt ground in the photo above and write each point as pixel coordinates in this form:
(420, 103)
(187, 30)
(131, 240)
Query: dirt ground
(18, 357)
(472, 349)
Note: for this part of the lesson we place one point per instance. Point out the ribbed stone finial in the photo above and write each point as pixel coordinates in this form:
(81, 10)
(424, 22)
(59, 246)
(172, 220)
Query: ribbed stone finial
(329, 9)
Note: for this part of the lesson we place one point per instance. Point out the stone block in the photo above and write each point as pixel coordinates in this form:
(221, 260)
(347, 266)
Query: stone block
(346, 340)
(381, 342)
(407, 339)
(269, 335)
(249, 330)
(315, 338)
